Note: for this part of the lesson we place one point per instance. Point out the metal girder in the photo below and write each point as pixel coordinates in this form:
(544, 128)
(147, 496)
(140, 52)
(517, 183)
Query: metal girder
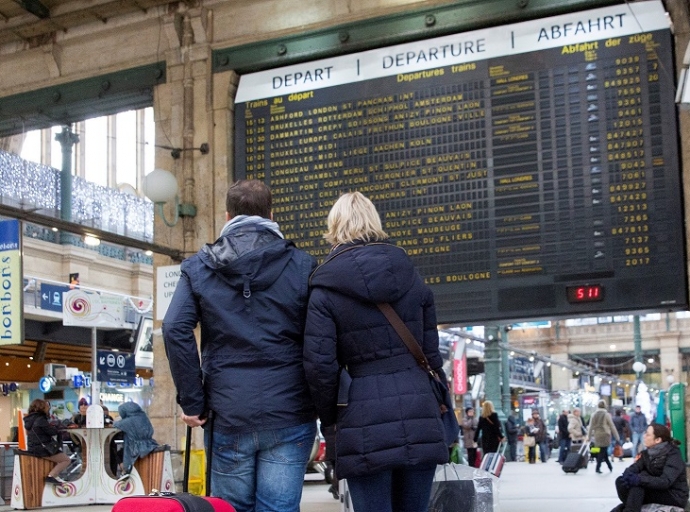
(75, 101)
(35, 7)
(394, 29)
(73, 227)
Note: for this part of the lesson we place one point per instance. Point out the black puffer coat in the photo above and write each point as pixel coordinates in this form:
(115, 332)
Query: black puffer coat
(392, 419)
(38, 432)
(661, 468)
(249, 291)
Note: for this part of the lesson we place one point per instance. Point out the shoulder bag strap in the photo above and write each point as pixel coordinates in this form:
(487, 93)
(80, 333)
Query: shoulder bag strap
(406, 336)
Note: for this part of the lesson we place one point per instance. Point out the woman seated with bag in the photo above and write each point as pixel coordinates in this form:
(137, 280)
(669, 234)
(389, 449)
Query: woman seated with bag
(40, 439)
(658, 476)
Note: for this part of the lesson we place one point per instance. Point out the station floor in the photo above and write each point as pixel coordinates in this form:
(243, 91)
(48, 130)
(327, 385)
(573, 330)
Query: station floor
(540, 487)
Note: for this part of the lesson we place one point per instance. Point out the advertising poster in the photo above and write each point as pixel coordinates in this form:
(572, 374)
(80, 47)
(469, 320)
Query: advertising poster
(11, 303)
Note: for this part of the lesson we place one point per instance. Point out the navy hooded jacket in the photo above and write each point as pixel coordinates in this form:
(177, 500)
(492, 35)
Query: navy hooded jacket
(392, 419)
(248, 291)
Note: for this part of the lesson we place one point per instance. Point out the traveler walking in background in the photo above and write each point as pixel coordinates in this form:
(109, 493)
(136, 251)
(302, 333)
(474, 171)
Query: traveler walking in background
(623, 429)
(638, 426)
(489, 429)
(601, 428)
(469, 428)
(512, 430)
(389, 433)
(248, 290)
(576, 430)
(529, 441)
(540, 435)
(564, 439)
(41, 442)
(658, 476)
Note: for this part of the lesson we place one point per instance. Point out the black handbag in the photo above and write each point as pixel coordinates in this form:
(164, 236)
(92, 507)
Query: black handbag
(52, 446)
(451, 428)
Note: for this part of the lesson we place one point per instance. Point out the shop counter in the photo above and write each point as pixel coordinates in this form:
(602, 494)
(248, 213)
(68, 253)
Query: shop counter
(95, 483)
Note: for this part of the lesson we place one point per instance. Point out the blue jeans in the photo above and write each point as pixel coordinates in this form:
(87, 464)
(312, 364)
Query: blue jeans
(398, 490)
(564, 448)
(262, 471)
(636, 439)
(544, 451)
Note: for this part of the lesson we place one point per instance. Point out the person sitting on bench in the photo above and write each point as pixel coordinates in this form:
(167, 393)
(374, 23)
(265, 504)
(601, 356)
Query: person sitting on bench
(41, 442)
(658, 476)
(138, 435)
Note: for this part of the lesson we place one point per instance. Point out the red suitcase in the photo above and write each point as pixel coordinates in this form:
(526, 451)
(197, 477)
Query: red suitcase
(182, 502)
(493, 462)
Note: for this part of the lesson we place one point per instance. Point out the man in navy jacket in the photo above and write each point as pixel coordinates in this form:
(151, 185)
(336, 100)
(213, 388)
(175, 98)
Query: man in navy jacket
(248, 291)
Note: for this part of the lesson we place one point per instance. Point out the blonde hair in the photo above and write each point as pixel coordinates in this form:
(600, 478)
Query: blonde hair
(353, 217)
(487, 408)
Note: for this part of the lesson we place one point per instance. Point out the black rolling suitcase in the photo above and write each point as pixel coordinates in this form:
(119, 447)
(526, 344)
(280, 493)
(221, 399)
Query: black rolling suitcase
(578, 460)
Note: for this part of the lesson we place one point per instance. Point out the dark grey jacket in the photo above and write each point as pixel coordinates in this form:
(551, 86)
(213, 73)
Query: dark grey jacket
(662, 468)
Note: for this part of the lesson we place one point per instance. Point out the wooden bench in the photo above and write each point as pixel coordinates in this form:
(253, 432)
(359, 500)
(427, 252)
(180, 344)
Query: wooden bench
(34, 472)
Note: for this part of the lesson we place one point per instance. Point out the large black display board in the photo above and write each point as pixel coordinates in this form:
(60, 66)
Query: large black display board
(537, 185)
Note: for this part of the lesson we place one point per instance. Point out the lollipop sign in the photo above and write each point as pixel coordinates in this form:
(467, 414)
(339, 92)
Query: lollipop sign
(92, 309)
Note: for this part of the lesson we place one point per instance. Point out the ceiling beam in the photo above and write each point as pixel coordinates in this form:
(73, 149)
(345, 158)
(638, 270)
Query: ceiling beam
(35, 7)
(104, 236)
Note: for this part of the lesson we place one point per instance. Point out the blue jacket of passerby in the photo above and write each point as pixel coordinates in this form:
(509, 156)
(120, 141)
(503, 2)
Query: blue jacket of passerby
(638, 422)
(248, 291)
(392, 417)
(138, 432)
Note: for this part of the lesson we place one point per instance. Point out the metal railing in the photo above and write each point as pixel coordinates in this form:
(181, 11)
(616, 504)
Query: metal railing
(31, 186)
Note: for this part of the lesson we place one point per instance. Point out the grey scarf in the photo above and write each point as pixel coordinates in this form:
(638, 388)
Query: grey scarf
(657, 449)
(239, 221)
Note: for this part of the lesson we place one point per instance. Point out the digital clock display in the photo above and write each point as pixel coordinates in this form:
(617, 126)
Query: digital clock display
(586, 293)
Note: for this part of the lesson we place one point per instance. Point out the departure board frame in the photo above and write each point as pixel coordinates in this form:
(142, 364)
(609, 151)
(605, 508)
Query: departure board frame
(530, 170)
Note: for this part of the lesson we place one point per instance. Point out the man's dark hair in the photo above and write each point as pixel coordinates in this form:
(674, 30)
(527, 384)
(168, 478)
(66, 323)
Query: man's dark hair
(619, 412)
(248, 197)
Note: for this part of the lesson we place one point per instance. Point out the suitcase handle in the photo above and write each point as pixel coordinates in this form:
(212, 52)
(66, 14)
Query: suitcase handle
(209, 455)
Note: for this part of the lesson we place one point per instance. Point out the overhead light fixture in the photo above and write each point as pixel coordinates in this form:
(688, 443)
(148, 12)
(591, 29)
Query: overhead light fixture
(650, 360)
(612, 347)
(92, 241)
(149, 253)
(160, 186)
(54, 230)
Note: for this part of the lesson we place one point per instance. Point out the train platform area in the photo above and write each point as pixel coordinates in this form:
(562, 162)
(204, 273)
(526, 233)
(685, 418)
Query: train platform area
(540, 487)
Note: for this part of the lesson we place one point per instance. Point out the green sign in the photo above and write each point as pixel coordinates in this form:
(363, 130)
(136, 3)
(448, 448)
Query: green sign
(676, 408)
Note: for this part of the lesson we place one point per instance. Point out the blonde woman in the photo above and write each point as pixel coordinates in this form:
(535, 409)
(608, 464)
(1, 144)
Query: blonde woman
(489, 429)
(389, 436)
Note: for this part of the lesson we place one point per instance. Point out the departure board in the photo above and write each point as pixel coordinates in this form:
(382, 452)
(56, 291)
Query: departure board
(530, 170)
